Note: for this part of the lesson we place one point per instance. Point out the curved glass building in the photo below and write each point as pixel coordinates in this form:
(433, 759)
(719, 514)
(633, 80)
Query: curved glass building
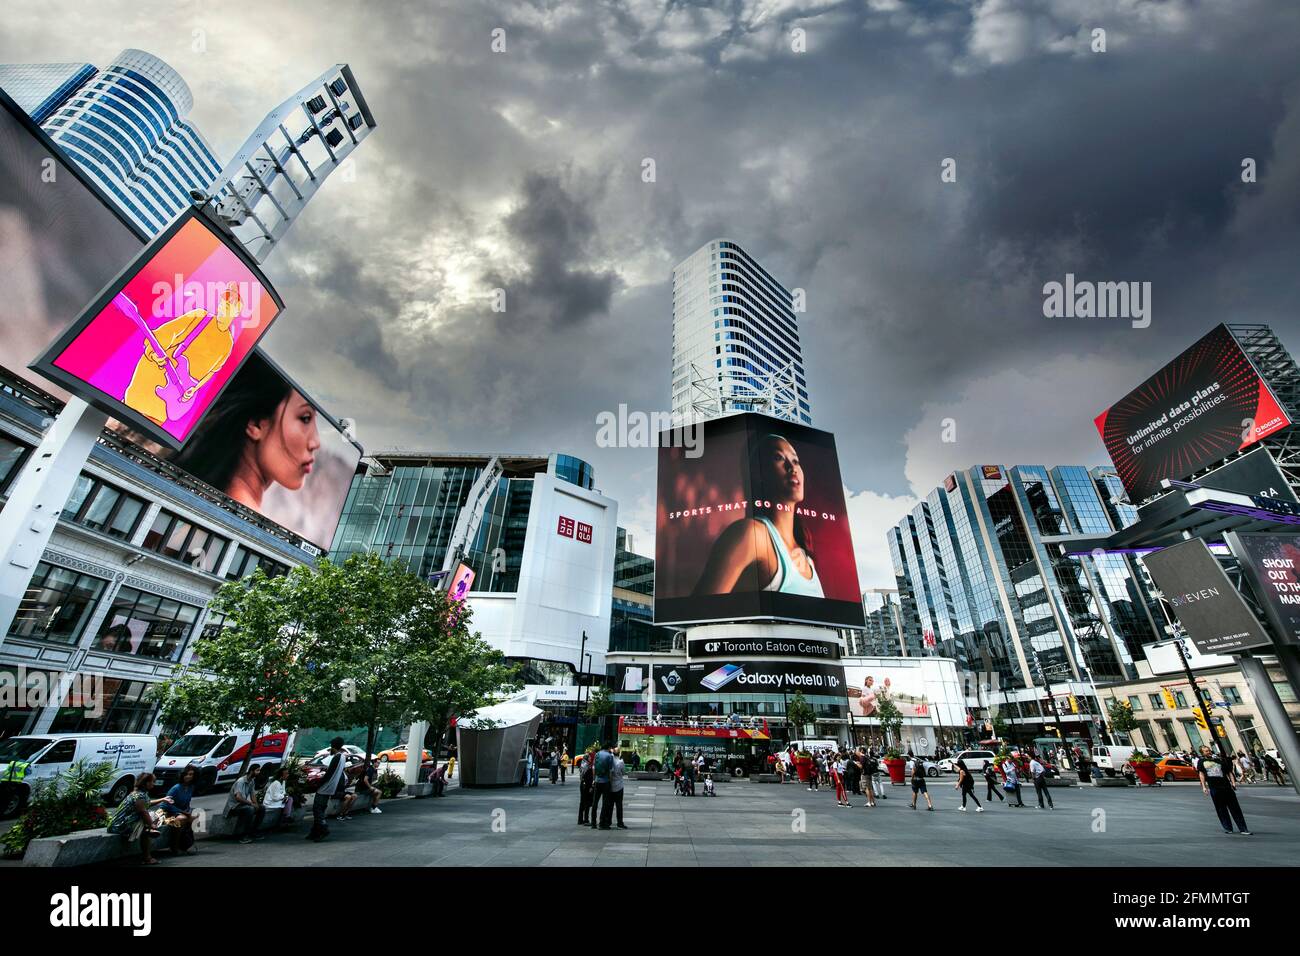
(126, 128)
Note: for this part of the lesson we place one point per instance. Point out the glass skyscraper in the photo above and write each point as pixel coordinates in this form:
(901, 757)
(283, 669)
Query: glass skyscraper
(41, 88)
(126, 128)
(735, 339)
(976, 570)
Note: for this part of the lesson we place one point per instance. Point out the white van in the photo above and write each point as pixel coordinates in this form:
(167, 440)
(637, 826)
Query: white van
(1111, 758)
(812, 746)
(29, 758)
(218, 756)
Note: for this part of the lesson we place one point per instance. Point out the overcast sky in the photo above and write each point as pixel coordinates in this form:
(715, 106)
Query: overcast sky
(522, 170)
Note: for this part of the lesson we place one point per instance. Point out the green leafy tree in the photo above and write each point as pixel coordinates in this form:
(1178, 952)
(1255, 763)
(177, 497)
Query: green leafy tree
(601, 703)
(1120, 715)
(260, 670)
(890, 717)
(798, 712)
(401, 651)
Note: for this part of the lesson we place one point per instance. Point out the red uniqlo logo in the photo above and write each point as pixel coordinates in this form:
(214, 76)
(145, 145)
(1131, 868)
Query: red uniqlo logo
(566, 527)
(584, 533)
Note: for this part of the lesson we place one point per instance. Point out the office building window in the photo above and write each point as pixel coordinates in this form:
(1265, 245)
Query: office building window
(1135, 702)
(146, 625)
(174, 537)
(245, 562)
(122, 708)
(101, 507)
(1157, 701)
(12, 456)
(1180, 698)
(1231, 694)
(57, 604)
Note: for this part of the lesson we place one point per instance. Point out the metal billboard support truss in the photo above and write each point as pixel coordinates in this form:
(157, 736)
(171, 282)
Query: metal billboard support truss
(273, 176)
(715, 393)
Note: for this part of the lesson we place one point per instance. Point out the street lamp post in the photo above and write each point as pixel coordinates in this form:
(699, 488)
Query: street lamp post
(581, 653)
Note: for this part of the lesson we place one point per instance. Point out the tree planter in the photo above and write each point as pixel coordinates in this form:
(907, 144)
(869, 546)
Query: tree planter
(897, 768)
(1146, 773)
(804, 767)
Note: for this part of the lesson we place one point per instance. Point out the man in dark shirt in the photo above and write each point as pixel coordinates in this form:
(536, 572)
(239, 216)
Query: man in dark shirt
(1217, 783)
(603, 763)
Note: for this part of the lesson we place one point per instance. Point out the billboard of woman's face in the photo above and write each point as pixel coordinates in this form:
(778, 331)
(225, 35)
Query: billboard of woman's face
(754, 527)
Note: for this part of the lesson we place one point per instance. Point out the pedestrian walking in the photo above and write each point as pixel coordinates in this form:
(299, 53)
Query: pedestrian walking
(555, 768)
(617, 772)
(333, 781)
(600, 790)
(1011, 774)
(586, 783)
(991, 778)
(966, 784)
(837, 777)
(565, 761)
(1218, 785)
(918, 783)
(870, 767)
(1274, 769)
(1039, 774)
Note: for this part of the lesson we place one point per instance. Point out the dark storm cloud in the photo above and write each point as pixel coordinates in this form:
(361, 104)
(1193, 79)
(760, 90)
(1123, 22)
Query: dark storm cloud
(522, 170)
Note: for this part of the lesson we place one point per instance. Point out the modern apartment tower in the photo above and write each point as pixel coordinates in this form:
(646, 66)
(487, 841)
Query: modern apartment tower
(41, 88)
(978, 581)
(735, 339)
(126, 127)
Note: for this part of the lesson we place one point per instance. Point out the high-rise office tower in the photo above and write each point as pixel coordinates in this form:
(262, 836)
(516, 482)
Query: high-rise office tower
(125, 127)
(735, 339)
(41, 88)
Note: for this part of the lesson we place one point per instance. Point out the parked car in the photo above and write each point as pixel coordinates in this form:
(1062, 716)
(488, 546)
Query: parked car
(27, 759)
(398, 755)
(931, 768)
(975, 761)
(348, 748)
(1170, 769)
(314, 769)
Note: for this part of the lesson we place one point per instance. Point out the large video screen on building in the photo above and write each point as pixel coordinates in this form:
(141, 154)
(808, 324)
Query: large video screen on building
(869, 686)
(1205, 405)
(752, 524)
(61, 243)
(1272, 563)
(158, 346)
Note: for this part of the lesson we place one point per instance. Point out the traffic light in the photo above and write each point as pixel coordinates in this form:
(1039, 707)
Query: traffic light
(1169, 698)
(1074, 704)
(1200, 719)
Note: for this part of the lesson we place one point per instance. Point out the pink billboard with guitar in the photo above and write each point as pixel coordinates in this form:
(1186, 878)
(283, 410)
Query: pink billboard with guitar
(165, 338)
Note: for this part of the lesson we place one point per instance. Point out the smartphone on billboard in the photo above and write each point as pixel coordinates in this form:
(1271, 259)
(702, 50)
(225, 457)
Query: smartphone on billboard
(722, 676)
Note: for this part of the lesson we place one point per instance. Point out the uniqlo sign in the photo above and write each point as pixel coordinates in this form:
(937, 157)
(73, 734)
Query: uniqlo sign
(568, 528)
(565, 529)
(584, 533)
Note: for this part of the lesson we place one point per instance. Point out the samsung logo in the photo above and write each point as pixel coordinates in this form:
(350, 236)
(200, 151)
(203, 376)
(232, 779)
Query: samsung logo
(1194, 596)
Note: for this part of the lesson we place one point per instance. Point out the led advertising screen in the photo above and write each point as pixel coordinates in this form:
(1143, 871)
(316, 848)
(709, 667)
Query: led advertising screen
(1206, 604)
(161, 342)
(1272, 562)
(1205, 405)
(752, 524)
(461, 582)
(764, 677)
(905, 686)
(269, 447)
(60, 242)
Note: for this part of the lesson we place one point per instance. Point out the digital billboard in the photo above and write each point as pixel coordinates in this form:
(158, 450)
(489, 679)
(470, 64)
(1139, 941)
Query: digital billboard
(461, 582)
(1206, 604)
(62, 243)
(764, 677)
(754, 526)
(161, 342)
(905, 686)
(1205, 405)
(1272, 562)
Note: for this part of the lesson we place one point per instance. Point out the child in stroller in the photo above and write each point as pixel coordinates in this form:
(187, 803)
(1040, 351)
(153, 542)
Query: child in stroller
(708, 785)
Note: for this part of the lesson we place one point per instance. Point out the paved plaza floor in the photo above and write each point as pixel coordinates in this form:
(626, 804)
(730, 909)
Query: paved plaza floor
(749, 824)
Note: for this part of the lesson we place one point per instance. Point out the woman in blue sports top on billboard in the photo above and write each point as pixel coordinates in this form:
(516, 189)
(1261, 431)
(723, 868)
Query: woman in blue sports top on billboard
(772, 550)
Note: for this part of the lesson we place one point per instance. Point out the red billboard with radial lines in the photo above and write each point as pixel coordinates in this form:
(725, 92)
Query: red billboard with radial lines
(1207, 404)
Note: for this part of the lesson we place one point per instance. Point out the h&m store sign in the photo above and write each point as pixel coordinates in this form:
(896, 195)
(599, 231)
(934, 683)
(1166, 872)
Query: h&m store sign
(568, 528)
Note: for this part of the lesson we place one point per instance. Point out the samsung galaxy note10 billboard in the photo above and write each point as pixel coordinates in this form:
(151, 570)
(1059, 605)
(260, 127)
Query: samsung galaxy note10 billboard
(752, 525)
